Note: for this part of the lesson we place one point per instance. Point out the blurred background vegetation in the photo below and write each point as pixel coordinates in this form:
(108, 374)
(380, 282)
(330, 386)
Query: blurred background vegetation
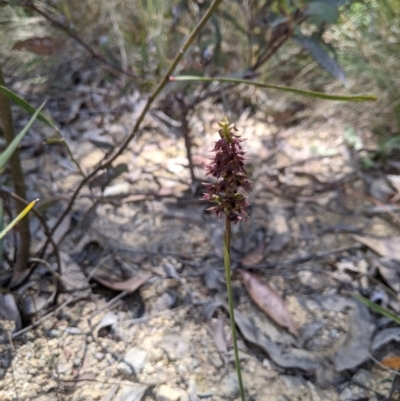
(327, 45)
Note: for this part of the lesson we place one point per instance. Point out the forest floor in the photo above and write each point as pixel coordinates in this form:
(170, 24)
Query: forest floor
(142, 315)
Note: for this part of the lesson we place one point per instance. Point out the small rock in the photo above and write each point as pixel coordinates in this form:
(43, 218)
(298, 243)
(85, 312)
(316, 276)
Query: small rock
(309, 279)
(175, 347)
(292, 382)
(364, 378)
(353, 393)
(155, 354)
(195, 363)
(135, 357)
(53, 333)
(99, 356)
(229, 386)
(76, 362)
(166, 393)
(216, 361)
(47, 325)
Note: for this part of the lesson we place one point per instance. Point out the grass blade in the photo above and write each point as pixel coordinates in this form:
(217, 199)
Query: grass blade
(320, 95)
(376, 308)
(18, 219)
(14, 144)
(19, 101)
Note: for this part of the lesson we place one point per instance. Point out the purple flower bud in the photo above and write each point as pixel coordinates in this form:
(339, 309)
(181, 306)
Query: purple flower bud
(227, 166)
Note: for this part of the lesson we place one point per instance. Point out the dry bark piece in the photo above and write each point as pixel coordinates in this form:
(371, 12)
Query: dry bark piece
(388, 247)
(269, 300)
(129, 285)
(45, 46)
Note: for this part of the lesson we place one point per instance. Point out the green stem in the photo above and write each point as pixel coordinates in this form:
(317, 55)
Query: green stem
(18, 179)
(355, 98)
(227, 263)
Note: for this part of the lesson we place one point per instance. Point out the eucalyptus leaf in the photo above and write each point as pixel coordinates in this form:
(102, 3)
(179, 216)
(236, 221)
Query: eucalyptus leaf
(320, 12)
(321, 56)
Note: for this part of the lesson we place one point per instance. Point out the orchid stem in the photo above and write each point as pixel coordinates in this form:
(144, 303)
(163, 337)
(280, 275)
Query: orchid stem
(227, 263)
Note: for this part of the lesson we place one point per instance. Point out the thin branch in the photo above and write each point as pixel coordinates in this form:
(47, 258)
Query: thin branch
(307, 258)
(157, 90)
(45, 317)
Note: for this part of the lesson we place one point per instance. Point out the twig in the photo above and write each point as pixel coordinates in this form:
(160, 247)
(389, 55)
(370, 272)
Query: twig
(383, 366)
(43, 318)
(304, 259)
(144, 319)
(157, 90)
(108, 304)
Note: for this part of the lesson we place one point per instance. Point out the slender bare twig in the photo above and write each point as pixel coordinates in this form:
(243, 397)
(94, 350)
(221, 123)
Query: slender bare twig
(305, 259)
(157, 90)
(43, 318)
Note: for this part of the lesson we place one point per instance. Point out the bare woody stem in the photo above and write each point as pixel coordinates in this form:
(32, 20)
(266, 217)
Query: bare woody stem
(157, 90)
(227, 263)
(18, 181)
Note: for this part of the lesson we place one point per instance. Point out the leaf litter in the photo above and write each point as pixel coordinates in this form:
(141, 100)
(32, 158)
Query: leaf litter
(143, 239)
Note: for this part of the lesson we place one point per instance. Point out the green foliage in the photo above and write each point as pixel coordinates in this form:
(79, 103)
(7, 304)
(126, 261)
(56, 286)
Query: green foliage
(376, 308)
(369, 37)
(145, 34)
(5, 156)
(16, 220)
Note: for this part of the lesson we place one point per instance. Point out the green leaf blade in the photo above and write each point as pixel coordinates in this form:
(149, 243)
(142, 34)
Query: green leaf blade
(5, 156)
(319, 95)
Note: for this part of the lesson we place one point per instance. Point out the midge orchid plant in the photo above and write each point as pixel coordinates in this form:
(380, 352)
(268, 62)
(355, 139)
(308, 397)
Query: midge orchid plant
(229, 192)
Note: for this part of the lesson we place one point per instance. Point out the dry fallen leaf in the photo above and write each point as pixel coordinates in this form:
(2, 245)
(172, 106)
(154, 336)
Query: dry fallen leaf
(392, 362)
(255, 257)
(388, 247)
(282, 354)
(129, 285)
(73, 278)
(268, 299)
(45, 46)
